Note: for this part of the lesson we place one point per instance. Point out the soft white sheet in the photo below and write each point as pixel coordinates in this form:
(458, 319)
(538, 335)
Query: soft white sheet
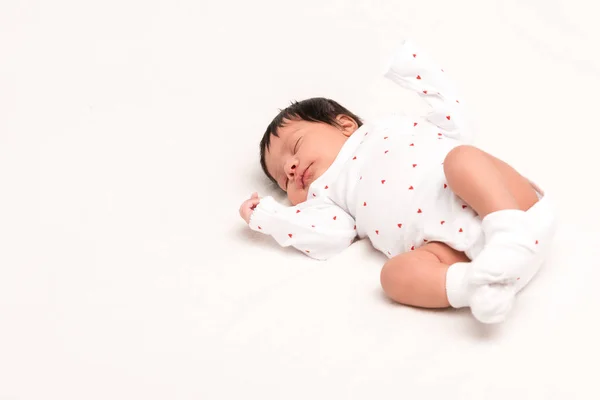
(129, 136)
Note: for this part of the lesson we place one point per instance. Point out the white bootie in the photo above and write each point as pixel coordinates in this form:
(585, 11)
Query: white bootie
(491, 303)
(510, 245)
(516, 244)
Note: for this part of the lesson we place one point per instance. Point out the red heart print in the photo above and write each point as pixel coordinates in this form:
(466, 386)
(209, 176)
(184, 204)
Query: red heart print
(385, 137)
(365, 204)
(382, 181)
(448, 117)
(312, 226)
(536, 242)
(354, 158)
(412, 145)
(419, 212)
(414, 56)
(414, 165)
(297, 211)
(418, 76)
(354, 227)
(399, 225)
(425, 240)
(425, 91)
(314, 195)
(411, 188)
(460, 230)
(464, 206)
(439, 134)
(445, 186)
(442, 222)
(290, 235)
(415, 124)
(377, 232)
(412, 248)
(334, 218)
(360, 178)
(308, 251)
(458, 101)
(385, 152)
(259, 227)
(326, 187)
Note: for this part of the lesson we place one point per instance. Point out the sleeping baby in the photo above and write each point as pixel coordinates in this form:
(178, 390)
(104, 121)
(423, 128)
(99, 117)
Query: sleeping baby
(460, 227)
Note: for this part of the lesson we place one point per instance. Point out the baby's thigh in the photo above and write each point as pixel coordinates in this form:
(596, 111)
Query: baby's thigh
(518, 185)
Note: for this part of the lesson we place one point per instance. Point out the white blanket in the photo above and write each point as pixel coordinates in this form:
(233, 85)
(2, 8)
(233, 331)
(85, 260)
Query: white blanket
(129, 136)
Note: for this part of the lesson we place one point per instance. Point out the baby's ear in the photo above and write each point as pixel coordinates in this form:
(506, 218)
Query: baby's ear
(347, 124)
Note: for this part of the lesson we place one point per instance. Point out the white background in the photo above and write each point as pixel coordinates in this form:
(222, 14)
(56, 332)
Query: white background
(129, 136)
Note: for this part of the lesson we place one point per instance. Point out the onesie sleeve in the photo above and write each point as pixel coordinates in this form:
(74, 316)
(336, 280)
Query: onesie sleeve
(413, 69)
(317, 228)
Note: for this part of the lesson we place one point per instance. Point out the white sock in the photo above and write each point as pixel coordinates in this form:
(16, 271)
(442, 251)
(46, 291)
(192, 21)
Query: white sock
(518, 243)
(490, 303)
(458, 288)
(491, 300)
(510, 245)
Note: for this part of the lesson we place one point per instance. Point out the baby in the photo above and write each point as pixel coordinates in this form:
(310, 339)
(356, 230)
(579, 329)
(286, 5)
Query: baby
(460, 227)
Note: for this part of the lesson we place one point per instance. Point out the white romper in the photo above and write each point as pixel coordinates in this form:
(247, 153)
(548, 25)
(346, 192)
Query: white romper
(387, 182)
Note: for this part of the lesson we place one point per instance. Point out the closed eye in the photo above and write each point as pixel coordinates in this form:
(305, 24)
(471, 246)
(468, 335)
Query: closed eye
(296, 145)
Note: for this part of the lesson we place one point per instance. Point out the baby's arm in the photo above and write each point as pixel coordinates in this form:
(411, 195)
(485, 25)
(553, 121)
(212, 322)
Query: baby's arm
(413, 69)
(316, 227)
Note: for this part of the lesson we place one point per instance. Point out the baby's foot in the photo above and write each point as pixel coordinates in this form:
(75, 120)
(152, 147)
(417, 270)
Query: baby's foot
(491, 303)
(494, 285)
(515, 247)
(510, 246)
(511, 252)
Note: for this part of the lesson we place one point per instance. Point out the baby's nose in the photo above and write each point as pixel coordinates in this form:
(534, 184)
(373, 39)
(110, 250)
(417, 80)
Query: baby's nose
(290, 169)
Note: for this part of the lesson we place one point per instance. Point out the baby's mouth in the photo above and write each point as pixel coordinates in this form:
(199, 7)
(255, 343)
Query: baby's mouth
(304, 177)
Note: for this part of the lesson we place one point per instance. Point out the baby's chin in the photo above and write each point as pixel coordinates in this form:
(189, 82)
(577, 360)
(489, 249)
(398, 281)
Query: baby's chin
(298, 196)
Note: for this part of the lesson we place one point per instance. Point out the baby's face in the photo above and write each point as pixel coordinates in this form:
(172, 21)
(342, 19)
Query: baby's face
(303, 152)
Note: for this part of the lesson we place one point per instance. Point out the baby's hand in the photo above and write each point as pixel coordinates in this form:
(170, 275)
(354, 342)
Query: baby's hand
(248, 206)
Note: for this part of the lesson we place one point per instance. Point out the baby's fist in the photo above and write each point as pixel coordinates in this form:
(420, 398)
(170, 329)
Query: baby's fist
(248, 206)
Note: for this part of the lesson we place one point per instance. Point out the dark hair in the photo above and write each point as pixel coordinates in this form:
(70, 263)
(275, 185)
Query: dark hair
(317, 109)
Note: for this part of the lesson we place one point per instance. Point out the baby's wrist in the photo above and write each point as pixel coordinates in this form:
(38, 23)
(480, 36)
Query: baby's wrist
(250, 215)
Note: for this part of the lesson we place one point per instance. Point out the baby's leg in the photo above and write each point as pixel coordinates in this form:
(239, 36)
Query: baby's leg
(501, 197)
(418, 278)
(487, 183)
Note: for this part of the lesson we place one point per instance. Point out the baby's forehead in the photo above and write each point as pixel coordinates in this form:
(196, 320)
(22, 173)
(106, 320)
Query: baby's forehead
(289, 125)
